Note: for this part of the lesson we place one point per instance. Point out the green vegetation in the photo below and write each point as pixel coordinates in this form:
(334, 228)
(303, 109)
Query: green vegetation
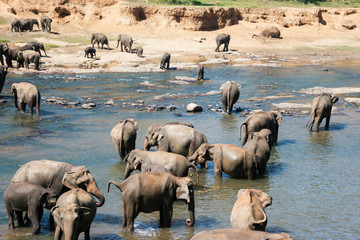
(25, 38)
(50, 46)
(4, 40)
(341, 48)
(304, 48)
(79, 39)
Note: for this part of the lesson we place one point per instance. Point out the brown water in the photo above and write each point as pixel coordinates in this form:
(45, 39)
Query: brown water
(312, 177)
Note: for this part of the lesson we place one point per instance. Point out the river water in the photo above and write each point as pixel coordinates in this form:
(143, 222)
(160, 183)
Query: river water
(312, 177)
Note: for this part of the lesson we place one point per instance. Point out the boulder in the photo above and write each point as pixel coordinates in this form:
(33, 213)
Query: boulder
(193, 107)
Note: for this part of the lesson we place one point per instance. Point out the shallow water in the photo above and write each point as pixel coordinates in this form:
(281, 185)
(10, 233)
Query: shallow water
(312, 177)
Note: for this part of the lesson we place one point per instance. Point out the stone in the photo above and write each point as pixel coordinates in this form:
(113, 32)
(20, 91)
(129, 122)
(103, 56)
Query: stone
(193, 107)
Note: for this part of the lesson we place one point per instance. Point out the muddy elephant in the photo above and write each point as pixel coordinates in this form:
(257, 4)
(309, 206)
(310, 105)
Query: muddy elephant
(126, 41)
(260, 120)
(45, 22)
(229, 96)
(3, 72)
(260, 145)
(237, 234)
(165, 60)
(200, 72)
(90, 51)
(248, 211)
(99, 38)
(26, 57)
(22, 197)
(27, 94)
(28, 24)
(37, 47)
(123, 136)
(4, 48)
(174, 137)
(15, 25)
(271, 32)
(141, 160)
(222, 39)
(228, 158)
(155, 191)
(139, 51)
(59, 176)
(73, 213)
(321, 108)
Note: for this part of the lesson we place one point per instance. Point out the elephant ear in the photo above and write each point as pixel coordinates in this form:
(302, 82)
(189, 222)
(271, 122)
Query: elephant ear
(240, 193)
(55, 212)
(85, 211)
(43, 197)
(183, 193)
(133, 122)
(278, 117)
(258, 214)
(334, 98)
(69, 180)
(137, 161)
(157, 136)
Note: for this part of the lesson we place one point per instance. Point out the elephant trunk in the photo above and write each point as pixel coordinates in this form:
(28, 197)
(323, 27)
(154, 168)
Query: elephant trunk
(193, 159)
(69, 229)
(128, 170)
(147, 146)
(191, 208)
(97, 193)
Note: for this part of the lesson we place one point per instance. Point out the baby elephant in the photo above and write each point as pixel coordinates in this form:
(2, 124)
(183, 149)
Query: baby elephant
(90, 51)
(73, 213)
(27, 57)
(248, 212)
(165, 60)
(139, 51)
(23, 196)
(27, 93)
(321, 108)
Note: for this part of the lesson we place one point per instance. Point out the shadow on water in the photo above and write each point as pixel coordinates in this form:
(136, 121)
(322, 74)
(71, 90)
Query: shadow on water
(322, 138)
(285, 142)
(274, 168)
(110, 236)
(229, 122)
(108, 219)
(277, 229)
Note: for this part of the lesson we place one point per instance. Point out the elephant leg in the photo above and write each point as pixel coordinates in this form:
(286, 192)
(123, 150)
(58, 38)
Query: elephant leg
(58, 233)
(327, 122)
(31, 109)
(98, 45)
(87, 233)
(33, 216)
(22, 106)
(51, 221)
(124, 223)
(11, 219)
(311, 122)
(20, 220)
(166, 213)
(217, 170)
(317, 123)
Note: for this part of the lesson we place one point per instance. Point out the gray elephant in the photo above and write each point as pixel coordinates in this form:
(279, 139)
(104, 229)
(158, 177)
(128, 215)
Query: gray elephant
(15, 25)
(155, 191)
(141, 160)
(11, 52)
(4, 48)
(99, 38)
(26, 197)
(156, 168)
(73, 213)
(45, 22)
(237, 234)
(37, 47)
(200, 72)
(248, 211)
(126, 41)
(28, 24)
(139, 51)
(90, 51)
(174, 137)
(165, 60)
(222, 39)
(28, 56)
(260, 145)
(123, 136)
(229, 96)
(271, 32)
(27, 94)
(260, 120)
(3, 72)
(228, 158)
(321, 108)
(59, 176)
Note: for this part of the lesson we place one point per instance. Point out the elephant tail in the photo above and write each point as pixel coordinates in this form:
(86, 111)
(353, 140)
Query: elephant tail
(118, 185)
(244, 124)
(228, 110)
(192, 165)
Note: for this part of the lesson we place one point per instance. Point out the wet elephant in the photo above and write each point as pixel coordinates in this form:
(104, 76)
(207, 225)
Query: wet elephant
(229, 96)
(260, 120)
(228, 158)
(22, 197)
(45, 22)
(73, 213)
(155, 191)
(99, 38)
(165, 60)
(248, 211)
(222, 39)
(3, 72)
(200, 72)
(126, 41)
(321, 108)
(15, 25)
(24, 58)
(27, 94)
(123, 136)
(28, 24)
(237, 234)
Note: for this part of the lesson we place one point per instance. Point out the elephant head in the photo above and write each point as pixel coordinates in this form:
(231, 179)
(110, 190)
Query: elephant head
(264, 198)
(265, 134)
(80, 177)
(202, 154)
(334, 98)
(185, 191)
(48, 198)
(14, 93)
(153, 137)
(133, 161)
(277, 116)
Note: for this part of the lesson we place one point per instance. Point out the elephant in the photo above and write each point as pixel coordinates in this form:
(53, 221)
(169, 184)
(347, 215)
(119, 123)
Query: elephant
(28, 24)
(46, 24)
(272, 32)
(228, 158)
(126, 41)
(238, 234)
(90, 51)
(248, 211)
(165, 60)
(156, 168)
(37, 46)
(257, 121)
(27, 57)
(200, 72)
(139, 51)
(3, 72)
(174, 137)
(123, 136)
(27, 197)
(99, 38)
(155, 191)
(15, 25)
(3, 49)
(11, 53)
(260, 145)
(141, 160)
(73, 213)
(59, 176)
(26, 93)
(321, 108)
(229, 96)
(222, 39)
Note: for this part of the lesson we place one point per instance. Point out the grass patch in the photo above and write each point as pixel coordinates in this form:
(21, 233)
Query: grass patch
(79, 39)
(4, 20)
(25, 38)
(341, 48)
(50, 46)
(303, 48)
(4, 40)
